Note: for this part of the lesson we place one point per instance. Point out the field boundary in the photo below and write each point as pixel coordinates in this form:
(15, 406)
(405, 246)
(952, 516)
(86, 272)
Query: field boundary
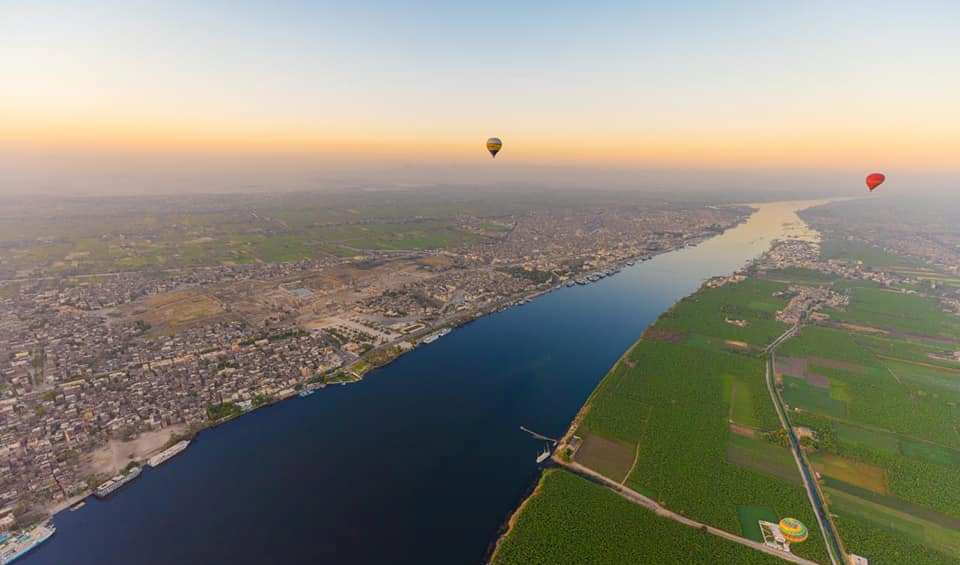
(650, 504)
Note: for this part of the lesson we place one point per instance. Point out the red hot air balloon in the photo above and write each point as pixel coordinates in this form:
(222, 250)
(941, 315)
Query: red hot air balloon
(874, 180)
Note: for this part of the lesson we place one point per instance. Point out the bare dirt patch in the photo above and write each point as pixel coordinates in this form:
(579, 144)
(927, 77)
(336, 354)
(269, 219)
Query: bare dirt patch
(179, 308)
(660, 334)
(792, 366)
(865, 329)
(819, 381)
(610, 458)
(834, 364)
(436, 261)
(743, 430)
(113, 457)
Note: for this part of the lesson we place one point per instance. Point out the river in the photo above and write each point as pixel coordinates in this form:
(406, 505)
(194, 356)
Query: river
(423, 460)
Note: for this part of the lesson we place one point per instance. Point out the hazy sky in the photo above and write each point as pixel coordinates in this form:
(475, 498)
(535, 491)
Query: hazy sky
(100, 96)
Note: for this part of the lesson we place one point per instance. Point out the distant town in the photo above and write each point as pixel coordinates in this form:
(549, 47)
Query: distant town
(99, 372)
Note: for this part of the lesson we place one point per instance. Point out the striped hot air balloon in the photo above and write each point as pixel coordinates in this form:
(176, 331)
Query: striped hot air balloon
(793, 530)
(493, 145)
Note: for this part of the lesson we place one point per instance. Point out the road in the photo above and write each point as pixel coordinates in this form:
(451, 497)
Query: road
(834, 548)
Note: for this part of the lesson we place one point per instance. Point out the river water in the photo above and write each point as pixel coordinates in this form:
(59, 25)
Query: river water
(423, 460)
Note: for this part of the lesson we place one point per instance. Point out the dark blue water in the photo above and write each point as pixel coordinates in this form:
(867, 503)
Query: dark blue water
(421, 462)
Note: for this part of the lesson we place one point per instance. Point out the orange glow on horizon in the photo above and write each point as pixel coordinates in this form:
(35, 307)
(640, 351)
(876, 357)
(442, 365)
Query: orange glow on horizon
(813, 147)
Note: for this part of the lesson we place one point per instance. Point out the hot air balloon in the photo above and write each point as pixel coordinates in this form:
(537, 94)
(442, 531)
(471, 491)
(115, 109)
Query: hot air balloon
(874, 180)
(493, 145)
(793, 530)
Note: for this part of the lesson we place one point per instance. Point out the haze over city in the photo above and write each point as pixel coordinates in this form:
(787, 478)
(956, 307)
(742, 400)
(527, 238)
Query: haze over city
(156, 97)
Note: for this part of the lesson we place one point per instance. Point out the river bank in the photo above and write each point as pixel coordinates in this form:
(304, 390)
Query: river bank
(671, 328)
(447, 415)
(112, 458)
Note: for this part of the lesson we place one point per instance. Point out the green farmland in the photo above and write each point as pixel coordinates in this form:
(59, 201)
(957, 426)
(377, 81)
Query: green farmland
(743, 312)
(898, 312)
(684, 418)
(888, 425)
(873, 256)
(124, 235)
(573, 521)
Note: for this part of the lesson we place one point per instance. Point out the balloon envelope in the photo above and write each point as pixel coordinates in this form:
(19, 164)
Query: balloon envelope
(493, 145)
(874, 180)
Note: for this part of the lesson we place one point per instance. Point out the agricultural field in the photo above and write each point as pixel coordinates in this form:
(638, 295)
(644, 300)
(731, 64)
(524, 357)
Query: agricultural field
(571, 520)
(874, 384)
(97, 235)
(908, 349)
(697, 412)
(135, 234)
(229, 244)
(743, 312)
(929, 276)
(885, 535)
(387, 236)
(887, 420)
(848, 250)
(688, 458)
(894, 311)
(827, 343)
(763, 457)
(796, 275)
(800, 394)
(851, 472)
(611, 458)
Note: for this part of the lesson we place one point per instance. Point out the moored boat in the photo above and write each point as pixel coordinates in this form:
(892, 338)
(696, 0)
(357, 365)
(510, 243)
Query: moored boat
(16, 546)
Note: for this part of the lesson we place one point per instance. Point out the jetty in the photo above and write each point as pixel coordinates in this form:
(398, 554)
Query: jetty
(539, 436)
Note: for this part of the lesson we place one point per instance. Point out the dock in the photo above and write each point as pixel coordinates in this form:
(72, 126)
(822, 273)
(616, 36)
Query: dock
(539, 436)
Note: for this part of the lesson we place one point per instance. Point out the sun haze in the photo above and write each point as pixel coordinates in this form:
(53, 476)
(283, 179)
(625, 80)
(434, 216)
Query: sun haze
(409, 93)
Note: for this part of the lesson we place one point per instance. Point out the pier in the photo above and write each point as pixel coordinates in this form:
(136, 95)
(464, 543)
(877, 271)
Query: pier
(539, 436)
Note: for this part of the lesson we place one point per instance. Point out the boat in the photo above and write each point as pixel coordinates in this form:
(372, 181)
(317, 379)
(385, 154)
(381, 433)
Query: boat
(305, 393)
(15, 547)
(109, 487)
(77, 506)
(167, 453)
(544, 454)
(436, 335)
